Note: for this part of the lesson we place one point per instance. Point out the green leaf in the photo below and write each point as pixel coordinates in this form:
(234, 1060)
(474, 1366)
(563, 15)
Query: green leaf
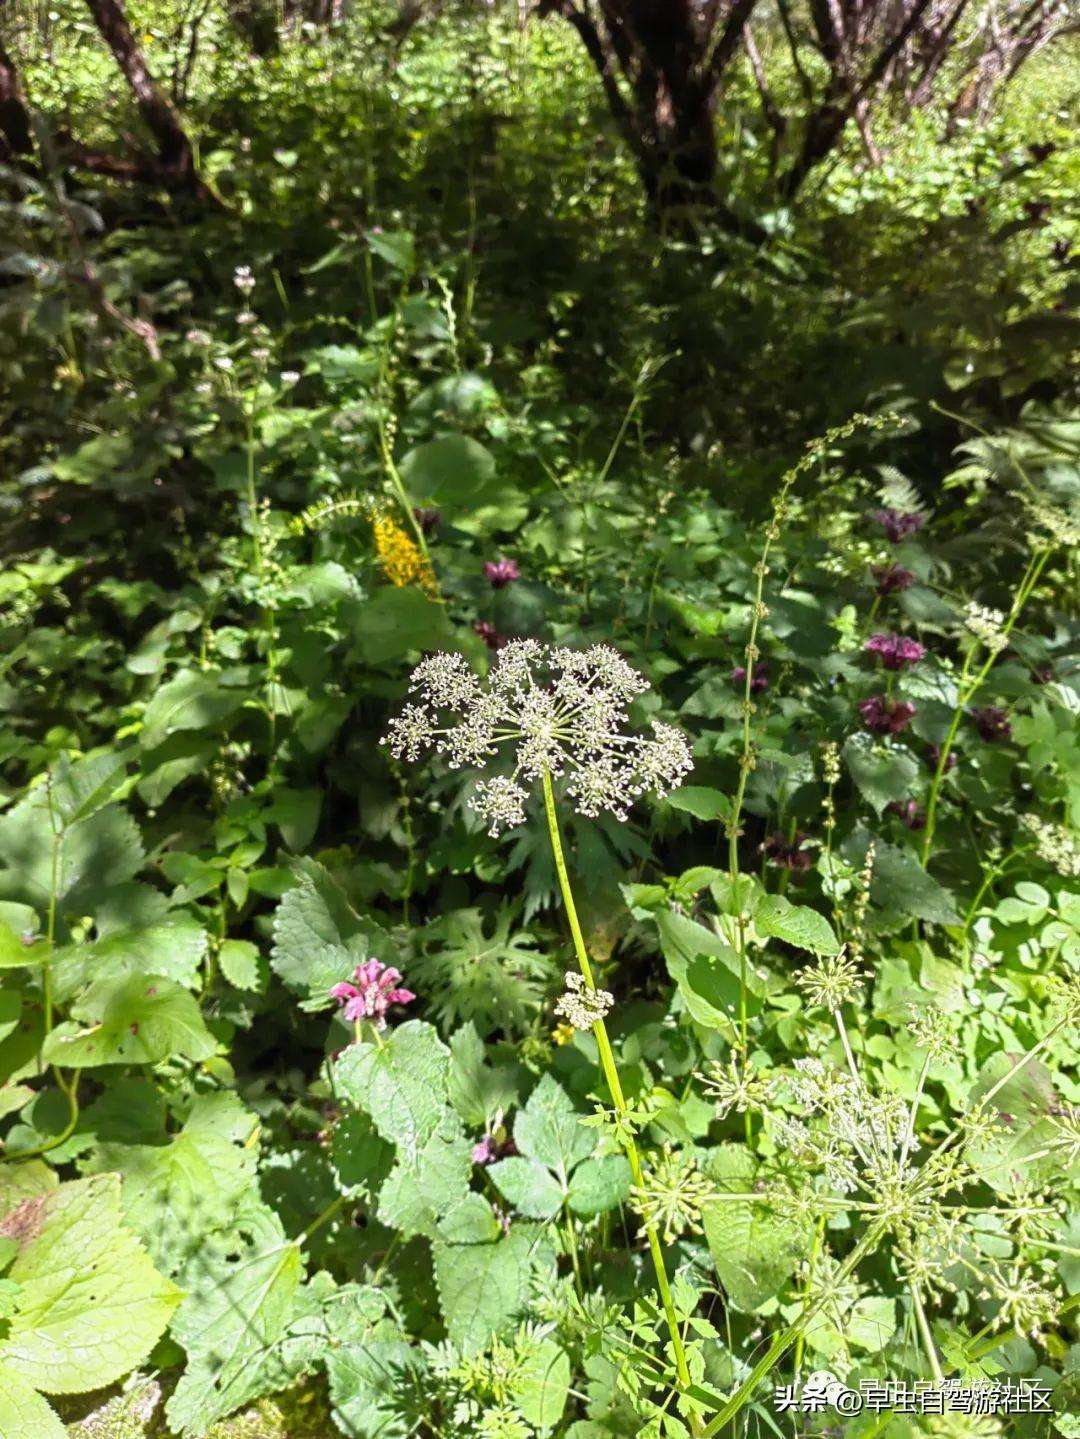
(241, 1287)
(706, 970)
(881, 774)
(483, 1287)
(428, 1182)
(175, 1194)
(366, 1380)
(19, 1182)
(319, 938)
(402, 1084)
(471, 1221)
(397, 622)
(138, 1021)
(242, 965)
(23, 1412)
(477, 1090)
(92, 854)
(549, 1130)
(91, 1305)
(541, 1384)
(452, 471)
(701, 802)
(530, 1187)
(13, 953)
(192, 699)
(755, 1251)
(900, 886)
(599, 1184)
(296, 814)
(777, 918)
(175, 949)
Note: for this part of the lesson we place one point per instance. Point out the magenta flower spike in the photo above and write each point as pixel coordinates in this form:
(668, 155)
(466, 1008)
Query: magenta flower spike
(373, 989)
(895, 651)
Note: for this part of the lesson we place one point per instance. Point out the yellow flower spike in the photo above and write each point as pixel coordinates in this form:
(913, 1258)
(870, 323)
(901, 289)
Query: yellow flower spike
(400, 557)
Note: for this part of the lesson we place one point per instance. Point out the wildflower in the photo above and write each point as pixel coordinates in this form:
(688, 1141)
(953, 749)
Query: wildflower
(223, 363)
(1058, 846)
(243, 279)
(1042, 674)
(908, 812)
(673, 1196)
(736, 1087)
(895, 651)
(759, 679)
(582, 1006)
(290, 377)
(832, 981)
(933, 758)
(930, 1029)
(564, 712)
(898, 524)
(882, 715)
(199, 338)
(501, 572)
(489, 634)
(892, 578)
(373, 989)
(992, 722)
(987, 626)
(489, 1149)
(246, 317)
(787, 853)
(260, 355)
(401, 559)
(428, 519)
(563, 1033)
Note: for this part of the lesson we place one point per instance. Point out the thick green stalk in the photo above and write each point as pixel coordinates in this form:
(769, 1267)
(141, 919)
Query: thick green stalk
(611, 1075)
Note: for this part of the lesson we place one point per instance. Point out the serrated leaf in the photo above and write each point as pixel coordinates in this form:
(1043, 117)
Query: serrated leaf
(541, 1384)
(93, 854)
(24, 1414)
(549, 1130)
(599, 1184)
(240, 1292)
(402, 1084)
(191, 700)
(483, 1287)
(777, 918)
(755, 1251)
(19, 1182)
(91, 1305)
(242, 965)
(530, 1187)
(319, 939)
(477, 1090)
(174, 949)
(428, 1182)
(141, 1020)
(881, 774)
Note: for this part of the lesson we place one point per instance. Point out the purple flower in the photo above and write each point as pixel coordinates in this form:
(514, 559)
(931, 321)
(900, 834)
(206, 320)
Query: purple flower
(892, 578)
(882, 715)
(372, 991)
(895, 651)
(429, 520)
(489, 634)
(787, 853)
(759, 680)
(490, 1149)
(501, 572)
(898, 524)
(992, 723)
(1042, 674)
(933, 759)
(908, 812)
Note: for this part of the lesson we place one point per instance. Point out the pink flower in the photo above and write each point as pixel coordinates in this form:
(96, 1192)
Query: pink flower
(892, 578)
(501, 572)
(908, 812)
(933, 758)
(489, 1149)
(489, 634)
(882, 715)
(898, 524)
(372, 991)
(895, 651)
(759, 680)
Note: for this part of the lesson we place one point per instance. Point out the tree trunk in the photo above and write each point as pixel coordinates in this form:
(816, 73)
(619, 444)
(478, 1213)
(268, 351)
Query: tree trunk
(174, 152)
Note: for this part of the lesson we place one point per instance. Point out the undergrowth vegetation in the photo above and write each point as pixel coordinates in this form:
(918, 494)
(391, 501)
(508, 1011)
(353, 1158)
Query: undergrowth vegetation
(539, 764)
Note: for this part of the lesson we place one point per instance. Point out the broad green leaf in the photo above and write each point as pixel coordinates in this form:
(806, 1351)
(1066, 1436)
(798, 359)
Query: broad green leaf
(598, 1184)
(477, 1090)
(882, 774)
(24, 1414)
(91, 1305)
(452, 471)
(541, 1384)
(13, 953)
(138, 1021)
(483, 1288)
(471, 1221)
(397, 622)
(191, 700)
(900, 886)
(797, 924)
(19, 1182)
(174, 949)
(701, 802)
(402, 1084)
(175, 1194)
(241, 964)
(706, 970)
(319, 939)
(94, 853)
(241, 1288)
(755, 1251)
(549, 1130)
(530, 1187)
(428, 1182)
(366, 1378)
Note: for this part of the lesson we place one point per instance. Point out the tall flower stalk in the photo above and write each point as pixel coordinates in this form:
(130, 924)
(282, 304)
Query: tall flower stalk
(562, 714)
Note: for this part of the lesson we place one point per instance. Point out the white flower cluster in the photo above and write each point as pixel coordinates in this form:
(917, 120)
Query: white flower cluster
(565, 712)
(243, 279)
(986, 625)
(582, 1006)
(1058, 846)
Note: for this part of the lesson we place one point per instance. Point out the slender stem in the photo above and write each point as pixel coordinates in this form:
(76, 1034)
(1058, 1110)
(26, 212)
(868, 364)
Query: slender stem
(611, 1075)
(909, 1132)
(323, 1218)
(926, 1336)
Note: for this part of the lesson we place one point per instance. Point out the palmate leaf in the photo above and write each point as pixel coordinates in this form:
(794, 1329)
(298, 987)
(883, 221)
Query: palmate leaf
(91, 1305)
(137, 1021)
(481, 970)
(241, 1288)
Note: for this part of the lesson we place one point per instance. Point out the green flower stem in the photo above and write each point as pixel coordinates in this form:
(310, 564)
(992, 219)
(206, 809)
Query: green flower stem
(614, 1084)
(926, 1336)
(787, 1337)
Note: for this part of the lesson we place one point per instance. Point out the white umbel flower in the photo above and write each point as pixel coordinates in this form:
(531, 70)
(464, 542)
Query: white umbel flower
(986, 625)
(561, 711)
